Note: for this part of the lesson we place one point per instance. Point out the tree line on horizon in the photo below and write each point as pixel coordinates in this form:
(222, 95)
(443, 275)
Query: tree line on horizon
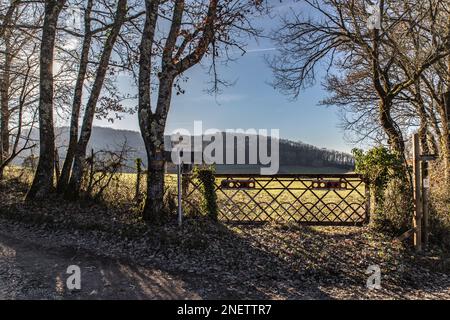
(104, 139)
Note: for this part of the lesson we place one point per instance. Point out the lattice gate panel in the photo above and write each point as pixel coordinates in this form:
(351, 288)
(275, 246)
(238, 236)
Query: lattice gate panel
(306, 199)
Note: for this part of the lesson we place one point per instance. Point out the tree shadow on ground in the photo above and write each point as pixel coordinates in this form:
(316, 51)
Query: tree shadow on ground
(239, 271)
(218, 262)
(204, 259)
(36, 272)
(338, 257)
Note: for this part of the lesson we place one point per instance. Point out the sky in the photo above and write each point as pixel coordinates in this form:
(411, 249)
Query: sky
(251, 102)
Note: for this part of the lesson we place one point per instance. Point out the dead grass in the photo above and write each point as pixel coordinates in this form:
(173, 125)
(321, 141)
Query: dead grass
(120, 197)
(277, 261)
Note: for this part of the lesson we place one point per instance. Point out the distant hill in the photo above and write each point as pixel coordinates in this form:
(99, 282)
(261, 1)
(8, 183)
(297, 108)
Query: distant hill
(295, 157)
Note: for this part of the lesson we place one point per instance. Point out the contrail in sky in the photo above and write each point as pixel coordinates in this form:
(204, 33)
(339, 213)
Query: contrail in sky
(261, 50)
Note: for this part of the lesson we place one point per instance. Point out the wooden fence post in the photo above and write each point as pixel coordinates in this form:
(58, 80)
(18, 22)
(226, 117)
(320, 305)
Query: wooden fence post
(57, 169)
(91, 173)
(138, 178)
(417, 218)
(446, 98)
(425, 200)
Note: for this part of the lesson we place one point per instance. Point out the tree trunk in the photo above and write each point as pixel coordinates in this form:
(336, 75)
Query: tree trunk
(154, 202)
(152, 125)
(73, 189)
(395, 138)
(137, 193)
(57, 167)
(155, 177)
(8, 17)
(434, 149)
(153, 209)
(423, 138)
(4, 103)
(423, 118)
(77, 99)
(43, 178)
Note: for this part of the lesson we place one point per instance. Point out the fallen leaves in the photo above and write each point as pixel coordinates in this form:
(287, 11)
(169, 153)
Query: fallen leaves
(272, 261)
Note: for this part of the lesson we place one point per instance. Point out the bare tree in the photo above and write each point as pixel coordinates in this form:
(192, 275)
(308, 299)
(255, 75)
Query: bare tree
(100, 18)
(341, 37)
(74, 186)
(435, 83)
(16, 77)
(77, 98)
(26, 90)
(104, 168)
(43, 179)
(197, 29)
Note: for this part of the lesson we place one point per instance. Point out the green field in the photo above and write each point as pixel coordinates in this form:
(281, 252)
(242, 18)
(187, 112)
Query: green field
(285, 199)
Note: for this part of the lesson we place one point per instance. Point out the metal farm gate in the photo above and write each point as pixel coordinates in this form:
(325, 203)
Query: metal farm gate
(310, 199)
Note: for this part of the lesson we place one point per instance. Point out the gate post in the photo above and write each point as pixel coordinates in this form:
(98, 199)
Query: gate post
(425, 202)
(138, 179)
(179, 187)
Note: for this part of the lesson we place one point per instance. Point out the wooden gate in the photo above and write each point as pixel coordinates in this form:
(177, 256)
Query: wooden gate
(310, 199)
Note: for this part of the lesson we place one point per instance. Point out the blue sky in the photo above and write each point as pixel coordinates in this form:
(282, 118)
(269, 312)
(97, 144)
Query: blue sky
(251, 102)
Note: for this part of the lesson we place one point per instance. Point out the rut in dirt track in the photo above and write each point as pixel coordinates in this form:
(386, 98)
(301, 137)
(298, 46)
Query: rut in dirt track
(30, 271)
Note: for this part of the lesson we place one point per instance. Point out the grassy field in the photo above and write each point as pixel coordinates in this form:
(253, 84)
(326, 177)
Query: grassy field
(286, 199)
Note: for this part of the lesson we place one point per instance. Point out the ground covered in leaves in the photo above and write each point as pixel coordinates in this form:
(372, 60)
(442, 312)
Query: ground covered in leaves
(122, 258)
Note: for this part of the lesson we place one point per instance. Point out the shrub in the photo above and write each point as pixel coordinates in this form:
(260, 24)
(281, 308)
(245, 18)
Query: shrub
(397, 208)
(170, 202)
(439, 207)
(387, 177)
(209, 202)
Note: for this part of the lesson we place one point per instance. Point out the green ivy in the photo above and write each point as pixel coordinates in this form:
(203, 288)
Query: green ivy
(207, 188)
(379, 166)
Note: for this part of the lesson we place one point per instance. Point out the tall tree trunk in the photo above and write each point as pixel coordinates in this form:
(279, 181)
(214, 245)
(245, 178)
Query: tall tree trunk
(382, 87)
(77, 100)
(4, 84)
(147, 121)
(8, 17)
(4, 104)
(73, 189)
(153, 124)
(434, 149)
(43, 178)
(395, 138)
(14, 150)
(153, 208)
(423, 118)
(423, 138)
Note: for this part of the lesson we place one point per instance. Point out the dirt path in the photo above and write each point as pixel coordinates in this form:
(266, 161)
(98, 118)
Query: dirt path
(272, 262)
(31, 271)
